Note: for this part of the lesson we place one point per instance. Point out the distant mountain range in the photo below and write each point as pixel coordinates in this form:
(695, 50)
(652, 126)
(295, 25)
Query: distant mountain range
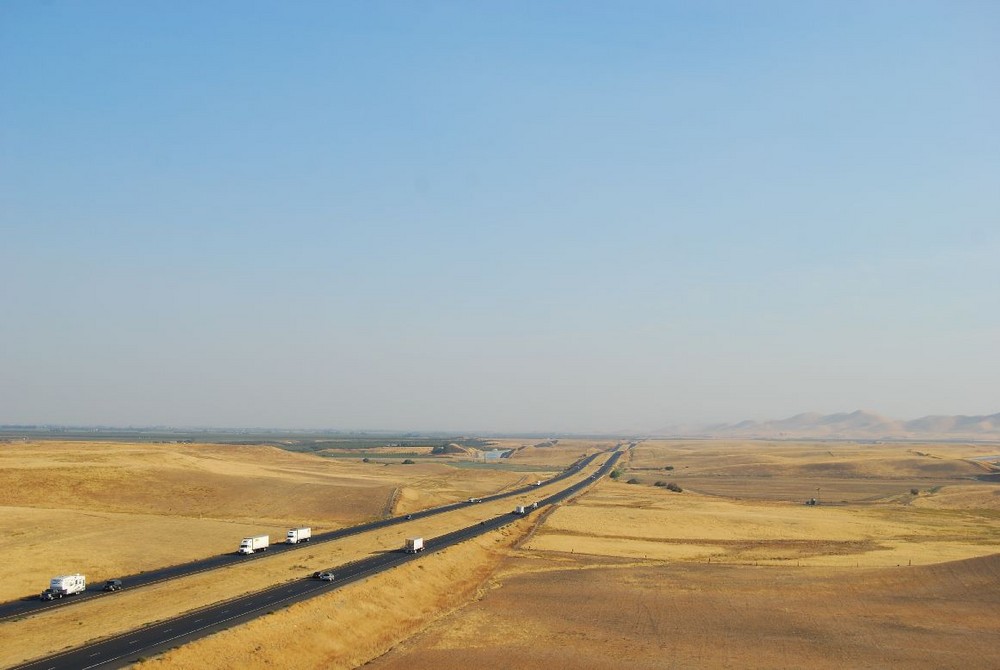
(853, 425)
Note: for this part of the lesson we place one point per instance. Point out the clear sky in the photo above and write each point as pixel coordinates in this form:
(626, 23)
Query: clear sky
(497, 216)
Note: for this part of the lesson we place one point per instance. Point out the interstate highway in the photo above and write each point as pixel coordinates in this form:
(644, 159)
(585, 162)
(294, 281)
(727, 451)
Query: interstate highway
(126, 648)
(32, 605)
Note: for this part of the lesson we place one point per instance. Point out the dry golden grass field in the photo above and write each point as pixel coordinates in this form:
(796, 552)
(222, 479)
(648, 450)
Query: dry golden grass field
(111, 509)
(741, 574)
(734, 572)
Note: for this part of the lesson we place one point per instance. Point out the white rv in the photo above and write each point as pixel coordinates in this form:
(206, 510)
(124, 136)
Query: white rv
(65, 585)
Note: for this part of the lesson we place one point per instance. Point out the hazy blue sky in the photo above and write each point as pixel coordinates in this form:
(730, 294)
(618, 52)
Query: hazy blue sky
(553, 216)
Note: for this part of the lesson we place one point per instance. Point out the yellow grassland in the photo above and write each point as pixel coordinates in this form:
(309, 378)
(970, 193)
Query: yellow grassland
(735, 571)
(43, 540)
(638, 576)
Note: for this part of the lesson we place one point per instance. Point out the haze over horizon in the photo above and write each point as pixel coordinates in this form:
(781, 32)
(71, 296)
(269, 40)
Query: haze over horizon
(580, 217)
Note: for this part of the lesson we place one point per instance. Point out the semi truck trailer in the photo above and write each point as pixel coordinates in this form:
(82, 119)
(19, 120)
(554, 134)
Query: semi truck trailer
(296, 535)
(251, 545)
(413, 545)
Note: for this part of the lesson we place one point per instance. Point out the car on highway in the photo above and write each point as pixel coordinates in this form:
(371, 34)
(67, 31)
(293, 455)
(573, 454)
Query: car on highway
(324, 575)
(113, 585)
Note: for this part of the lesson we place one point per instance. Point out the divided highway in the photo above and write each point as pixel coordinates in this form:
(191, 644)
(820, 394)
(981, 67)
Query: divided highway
(31, 604)
(126, 648)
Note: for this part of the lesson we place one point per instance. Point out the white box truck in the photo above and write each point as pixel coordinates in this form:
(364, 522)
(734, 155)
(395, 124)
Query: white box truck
(64, 585)
(250, 545)
(296, 535)
(414, 545)
(519, 509)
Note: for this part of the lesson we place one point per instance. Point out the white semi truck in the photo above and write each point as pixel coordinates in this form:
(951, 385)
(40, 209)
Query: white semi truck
(64, 585)
(413, 545)
(520, 510)
(296, 535)
(251, 545)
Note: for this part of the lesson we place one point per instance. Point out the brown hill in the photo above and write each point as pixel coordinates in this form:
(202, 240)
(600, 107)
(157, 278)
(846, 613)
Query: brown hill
(853, 425)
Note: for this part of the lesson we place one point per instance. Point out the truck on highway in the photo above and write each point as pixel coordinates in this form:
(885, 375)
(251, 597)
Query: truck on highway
(519, 509)
(413, 545)
(250, 545)
(64, 585)
(296, 535)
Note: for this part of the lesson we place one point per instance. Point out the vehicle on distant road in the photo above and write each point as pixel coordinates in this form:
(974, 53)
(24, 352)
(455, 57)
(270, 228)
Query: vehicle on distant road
(413, 545)
(296, 535)
(324, 575)
(113, 585)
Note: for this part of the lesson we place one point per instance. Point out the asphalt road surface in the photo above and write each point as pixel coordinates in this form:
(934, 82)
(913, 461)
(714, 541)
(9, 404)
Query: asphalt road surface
(126, 648)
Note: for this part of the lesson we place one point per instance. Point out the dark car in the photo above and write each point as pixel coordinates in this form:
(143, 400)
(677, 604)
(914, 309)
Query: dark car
(113, 585)
(49, 594)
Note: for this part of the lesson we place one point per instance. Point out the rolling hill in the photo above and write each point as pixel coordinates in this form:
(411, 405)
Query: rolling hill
(854, 425)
